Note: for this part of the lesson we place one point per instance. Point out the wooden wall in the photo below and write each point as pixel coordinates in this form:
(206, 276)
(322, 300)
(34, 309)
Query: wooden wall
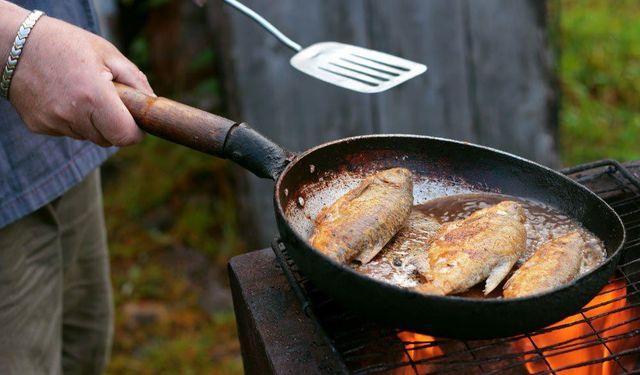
(489, 80)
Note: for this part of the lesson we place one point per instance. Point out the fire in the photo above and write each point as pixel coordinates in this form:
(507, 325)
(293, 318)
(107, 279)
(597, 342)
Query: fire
(576, 343)
(566, 346)
(418, 347)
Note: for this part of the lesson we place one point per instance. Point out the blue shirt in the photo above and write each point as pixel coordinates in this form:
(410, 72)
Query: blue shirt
(36, 169)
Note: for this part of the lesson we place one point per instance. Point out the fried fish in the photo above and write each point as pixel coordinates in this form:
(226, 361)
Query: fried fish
(555, 263)
(360, 223)
(484, 246)
(413, 240)
(407, 247)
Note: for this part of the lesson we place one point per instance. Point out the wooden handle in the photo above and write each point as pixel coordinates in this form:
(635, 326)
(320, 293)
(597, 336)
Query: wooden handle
(205, 132)
(177, 122)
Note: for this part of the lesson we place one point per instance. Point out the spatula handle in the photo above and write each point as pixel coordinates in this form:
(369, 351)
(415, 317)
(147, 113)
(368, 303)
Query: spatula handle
(264, 23)
(205, 132)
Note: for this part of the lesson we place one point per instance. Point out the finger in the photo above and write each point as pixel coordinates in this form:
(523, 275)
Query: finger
(71, 129)
(73, 134)
(47, 131)
(39, 125)
(90, 132)
(112, 119)
(126, 72)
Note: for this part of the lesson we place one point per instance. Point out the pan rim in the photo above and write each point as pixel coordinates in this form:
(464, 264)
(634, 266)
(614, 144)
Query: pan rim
(453, 299)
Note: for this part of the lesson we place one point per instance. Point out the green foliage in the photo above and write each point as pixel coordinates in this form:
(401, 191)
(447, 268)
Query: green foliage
(170, 195)
(166, 204)
(156, 3)
(599, 71)
(160, 197)
(139, 51)
(205, 59)
(208, 87)
(209, 349)
(145, 4)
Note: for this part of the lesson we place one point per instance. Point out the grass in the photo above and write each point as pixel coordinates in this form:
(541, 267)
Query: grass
(599, 72)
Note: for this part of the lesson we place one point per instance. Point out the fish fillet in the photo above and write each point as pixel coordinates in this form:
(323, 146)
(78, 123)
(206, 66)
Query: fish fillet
(407, 247)
(360, 223)
(483, 246)
(413, 240)
(555, 263)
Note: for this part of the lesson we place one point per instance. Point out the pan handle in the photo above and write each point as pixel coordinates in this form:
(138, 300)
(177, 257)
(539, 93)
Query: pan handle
(206, 132)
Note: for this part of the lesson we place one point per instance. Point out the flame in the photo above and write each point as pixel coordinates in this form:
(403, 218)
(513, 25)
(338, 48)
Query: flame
(418, 347)
(576, 342)
(568, 343)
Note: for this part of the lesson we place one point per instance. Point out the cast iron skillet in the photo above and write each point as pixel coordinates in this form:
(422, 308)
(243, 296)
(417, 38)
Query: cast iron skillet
(305, 182)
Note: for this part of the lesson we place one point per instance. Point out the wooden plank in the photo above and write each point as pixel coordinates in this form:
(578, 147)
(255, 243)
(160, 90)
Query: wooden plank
(287, 106)
(431, 32)
(512, 77)
(489, 78)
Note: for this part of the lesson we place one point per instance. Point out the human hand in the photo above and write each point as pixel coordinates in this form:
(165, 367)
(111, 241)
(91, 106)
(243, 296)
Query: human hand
(63, 85)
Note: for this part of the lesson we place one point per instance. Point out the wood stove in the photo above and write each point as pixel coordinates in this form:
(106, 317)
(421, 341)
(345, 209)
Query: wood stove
(287, 326)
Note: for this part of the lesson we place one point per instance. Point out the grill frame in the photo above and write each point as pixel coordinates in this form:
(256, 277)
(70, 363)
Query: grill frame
(365, 347)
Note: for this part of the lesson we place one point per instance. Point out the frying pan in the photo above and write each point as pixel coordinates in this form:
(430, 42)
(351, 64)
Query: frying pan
(307, 181)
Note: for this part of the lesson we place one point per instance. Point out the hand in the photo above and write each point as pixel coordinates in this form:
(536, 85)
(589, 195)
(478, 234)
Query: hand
(63, 85)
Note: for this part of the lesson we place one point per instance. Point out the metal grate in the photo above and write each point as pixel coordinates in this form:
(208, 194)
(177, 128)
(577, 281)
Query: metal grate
(603, 336)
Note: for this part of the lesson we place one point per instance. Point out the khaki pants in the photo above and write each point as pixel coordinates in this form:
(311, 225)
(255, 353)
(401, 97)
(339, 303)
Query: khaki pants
(55, 295)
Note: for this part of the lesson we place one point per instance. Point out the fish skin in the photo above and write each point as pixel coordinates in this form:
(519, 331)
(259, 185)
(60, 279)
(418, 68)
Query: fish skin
(410, 244)
(554, 263)
(361, 222)
(484, 246)
(413, 240)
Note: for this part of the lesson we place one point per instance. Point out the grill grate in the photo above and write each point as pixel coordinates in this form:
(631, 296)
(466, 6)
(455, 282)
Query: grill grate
(607, 330)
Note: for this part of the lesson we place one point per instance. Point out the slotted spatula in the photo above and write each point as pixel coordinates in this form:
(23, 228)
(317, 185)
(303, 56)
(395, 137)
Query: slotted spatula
(355, 68)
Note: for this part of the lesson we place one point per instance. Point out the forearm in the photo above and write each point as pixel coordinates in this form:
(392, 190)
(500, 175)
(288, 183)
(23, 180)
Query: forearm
(11, 17)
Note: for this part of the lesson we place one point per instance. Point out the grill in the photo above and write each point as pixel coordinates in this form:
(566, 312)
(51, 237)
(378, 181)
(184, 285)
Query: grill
(603, 337)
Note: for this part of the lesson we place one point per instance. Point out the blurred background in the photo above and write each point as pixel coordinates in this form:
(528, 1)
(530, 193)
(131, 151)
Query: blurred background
(554, 81)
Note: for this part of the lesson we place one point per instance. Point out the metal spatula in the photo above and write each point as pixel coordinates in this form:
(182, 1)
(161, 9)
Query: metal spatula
(344, 65)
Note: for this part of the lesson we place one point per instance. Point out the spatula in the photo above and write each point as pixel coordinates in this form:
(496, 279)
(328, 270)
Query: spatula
(355, 68)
